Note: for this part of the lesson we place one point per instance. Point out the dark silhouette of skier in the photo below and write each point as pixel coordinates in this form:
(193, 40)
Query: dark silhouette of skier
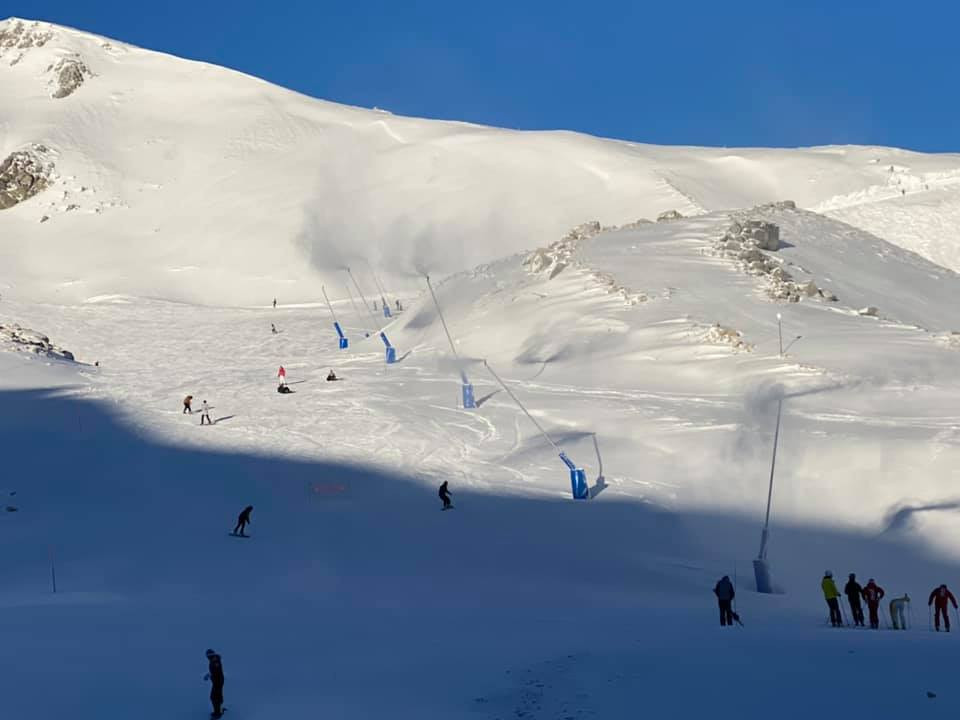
(873, 593)
(283, 389)
(274, 302)
(331, 376)
(273, 328)
(725, 594)
(854, 591)
(939, 598)
(444, 494)
(215, 676)
(186, 404)
(243, 520)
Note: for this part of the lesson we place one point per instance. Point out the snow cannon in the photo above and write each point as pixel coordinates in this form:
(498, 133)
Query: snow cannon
(578, 479)
(344, 343)
(761, 573)
(391, 350)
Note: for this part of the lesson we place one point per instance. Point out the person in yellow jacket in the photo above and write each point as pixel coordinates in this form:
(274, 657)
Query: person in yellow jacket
(832, 596)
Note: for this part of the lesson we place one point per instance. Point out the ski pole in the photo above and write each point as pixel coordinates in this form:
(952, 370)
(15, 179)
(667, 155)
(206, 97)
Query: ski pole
(843, 612)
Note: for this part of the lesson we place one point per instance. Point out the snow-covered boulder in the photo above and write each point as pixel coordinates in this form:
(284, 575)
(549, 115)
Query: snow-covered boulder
(67, 75)
(869, 311)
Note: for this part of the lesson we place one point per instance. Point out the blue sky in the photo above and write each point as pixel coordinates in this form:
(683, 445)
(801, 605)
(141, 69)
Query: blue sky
(683, 72)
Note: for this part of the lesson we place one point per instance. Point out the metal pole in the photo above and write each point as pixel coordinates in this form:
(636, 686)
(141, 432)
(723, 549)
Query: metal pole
(373, 315)
(773, 465)
(520, 405)
(329, 306)
(376, 281)
(443, 322)
(780, 332)
(353, 304)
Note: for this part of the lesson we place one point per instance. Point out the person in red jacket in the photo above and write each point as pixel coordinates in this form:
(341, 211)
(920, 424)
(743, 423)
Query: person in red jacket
(873, 593)
(939, 598)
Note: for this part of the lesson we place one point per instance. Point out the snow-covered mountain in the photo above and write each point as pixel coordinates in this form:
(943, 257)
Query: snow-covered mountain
(152, 207)
(163, 177)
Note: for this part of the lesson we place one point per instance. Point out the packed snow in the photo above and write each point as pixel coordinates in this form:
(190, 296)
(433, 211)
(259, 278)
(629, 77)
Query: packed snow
(654, 354)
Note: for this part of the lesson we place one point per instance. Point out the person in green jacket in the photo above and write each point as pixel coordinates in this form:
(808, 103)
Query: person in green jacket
(832, 596)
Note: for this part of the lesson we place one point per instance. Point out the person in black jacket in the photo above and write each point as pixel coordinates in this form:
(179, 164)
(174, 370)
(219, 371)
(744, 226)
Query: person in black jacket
(445, 496)
(854, 591)
(725, 594)
(215, 676)
(242, 520)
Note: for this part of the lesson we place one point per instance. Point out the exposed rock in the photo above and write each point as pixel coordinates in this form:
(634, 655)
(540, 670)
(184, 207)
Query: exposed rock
(869, 311)
(18, 36)
(728, 336)
(554, 258)
(810, 289)
(23, 174)
(669, 215)
(26, 340)
(68, 75)
(764, 235)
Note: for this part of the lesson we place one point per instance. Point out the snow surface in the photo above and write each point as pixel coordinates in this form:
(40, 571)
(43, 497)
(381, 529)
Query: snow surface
(649, 358)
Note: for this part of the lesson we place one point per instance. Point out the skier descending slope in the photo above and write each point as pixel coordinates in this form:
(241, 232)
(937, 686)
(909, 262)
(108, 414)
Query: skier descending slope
(725, 594)
(215, 676)
(854, 591)
(444, 494)
(242, 520)
(939, 598)
(832, 596)
(282, 374)
(873, 593)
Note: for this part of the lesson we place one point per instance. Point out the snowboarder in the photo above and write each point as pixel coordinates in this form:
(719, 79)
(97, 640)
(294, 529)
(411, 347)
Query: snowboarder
(273, 328)
(832, 596)
(205, 413)
(896, 611)
(331, 376)
(215, 676)
(444, 494)
(186, 405)
(282, 374)
(939, 598)
(243, 520)
(725, 594)
(274, 302)
(283, 389)
(854, 591)
(873, 593)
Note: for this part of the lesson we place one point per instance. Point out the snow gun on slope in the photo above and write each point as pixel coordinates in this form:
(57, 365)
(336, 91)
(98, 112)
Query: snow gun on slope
(344, 343)
(469, 401)
(391, 351)
(578, 478)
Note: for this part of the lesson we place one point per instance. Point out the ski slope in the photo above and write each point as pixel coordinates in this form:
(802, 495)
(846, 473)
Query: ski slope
(649, 356)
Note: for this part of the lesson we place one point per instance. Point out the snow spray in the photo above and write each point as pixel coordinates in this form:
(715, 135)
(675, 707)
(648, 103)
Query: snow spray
(469, 401)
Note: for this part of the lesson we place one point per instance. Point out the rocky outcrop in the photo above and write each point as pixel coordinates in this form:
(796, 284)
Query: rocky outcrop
(26, 340)
(669, 215)
(554, 258)
(24, 173)
(750, 243)
(17, 36)
(721, 335)
(67, 75)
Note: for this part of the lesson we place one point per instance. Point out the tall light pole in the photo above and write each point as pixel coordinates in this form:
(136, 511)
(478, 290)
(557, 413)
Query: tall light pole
(761, 570)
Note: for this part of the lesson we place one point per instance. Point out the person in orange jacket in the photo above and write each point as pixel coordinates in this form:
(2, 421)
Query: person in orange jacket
(939, 598)
(873, 594)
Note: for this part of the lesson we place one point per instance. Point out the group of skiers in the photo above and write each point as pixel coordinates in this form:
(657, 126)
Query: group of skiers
(204, 410)
(872, 594)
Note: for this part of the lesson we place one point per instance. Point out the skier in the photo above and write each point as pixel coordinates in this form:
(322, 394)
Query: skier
(186, 405)
(274, 302)
(725, 594)
(399, 306)
(215, 676)
(205, 413)
(273, 328)
(832, 596)
(243, 520)
(939, 598)
(282, 374)
(283, 389)
(853, 590)
(331, 376)
(873, 593)
(445, 496)
(896, 610)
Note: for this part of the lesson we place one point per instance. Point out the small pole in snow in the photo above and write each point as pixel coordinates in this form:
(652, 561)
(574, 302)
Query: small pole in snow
(780, 332)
